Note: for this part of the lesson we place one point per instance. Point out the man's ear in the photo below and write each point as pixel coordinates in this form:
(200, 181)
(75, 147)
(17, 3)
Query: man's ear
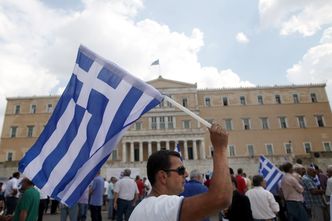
(162, 177)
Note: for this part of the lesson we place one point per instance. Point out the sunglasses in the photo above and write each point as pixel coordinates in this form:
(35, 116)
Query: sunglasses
(180, 170)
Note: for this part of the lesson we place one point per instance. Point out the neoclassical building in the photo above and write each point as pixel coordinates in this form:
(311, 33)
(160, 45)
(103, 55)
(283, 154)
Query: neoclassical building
(276, 121)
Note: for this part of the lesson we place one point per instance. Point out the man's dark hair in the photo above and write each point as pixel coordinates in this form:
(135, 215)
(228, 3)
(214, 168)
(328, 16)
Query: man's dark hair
(287, 167)
(239, 171)
(257, 180)
(159, 160)
(16, 174)
(231, 171)
(299, 161)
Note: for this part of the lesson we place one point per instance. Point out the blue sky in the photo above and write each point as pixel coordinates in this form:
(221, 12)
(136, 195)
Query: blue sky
(215, 43)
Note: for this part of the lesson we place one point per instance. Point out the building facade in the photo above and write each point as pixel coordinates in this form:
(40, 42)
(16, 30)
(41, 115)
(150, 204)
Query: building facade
(279, 121)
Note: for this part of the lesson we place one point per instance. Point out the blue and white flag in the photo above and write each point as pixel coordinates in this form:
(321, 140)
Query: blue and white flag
(177, 149)
(270, 172)
(93, 113)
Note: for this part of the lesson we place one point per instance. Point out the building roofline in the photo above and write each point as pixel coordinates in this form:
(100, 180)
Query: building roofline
(33, 97)
(172, 81)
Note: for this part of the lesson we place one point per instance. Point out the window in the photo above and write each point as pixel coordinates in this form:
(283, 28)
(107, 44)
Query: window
(265, 123)
(162, 123)
(250, 148)
(320, 121)
(313, 98)
(278, 99)
(301, 121)
(225, 101)
(114, 155)
(49, 108)
(327, 146)
(283, 122)
(295, 98)
(170, 122)
(168, 103)
(17, 109)
(228, 124)
(154, 123)
(208, 102)
(231, 150)
(138, 125)
(246, 123)
(33, 109)
(269, 149)
(288, 148)
(9, 156)
(260, 99)
(242, 100)
(13, 131)
(30, 130)
(307, 147)
(186, 124)
(185, 102)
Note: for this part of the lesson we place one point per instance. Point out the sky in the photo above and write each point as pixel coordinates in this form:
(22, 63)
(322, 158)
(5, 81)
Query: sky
(214, 43)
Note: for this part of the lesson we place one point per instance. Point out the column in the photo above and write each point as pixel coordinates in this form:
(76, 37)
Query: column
(167, 145)
(185, 145)
(202, 148)
(158, 145)
(131, 151)
(149, 148)
(140, 152)
(195, 150)
(124, 152)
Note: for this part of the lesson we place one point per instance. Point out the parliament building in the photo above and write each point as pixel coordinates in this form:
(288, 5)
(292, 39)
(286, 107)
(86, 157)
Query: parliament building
(277, 121)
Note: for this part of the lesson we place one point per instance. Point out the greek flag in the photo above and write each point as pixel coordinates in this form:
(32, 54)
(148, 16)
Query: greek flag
(270, 172)
(95, 110)
(177, 149)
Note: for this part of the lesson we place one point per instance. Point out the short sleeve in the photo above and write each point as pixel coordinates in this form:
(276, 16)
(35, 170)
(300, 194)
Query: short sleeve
(25, 200)
(168, 207)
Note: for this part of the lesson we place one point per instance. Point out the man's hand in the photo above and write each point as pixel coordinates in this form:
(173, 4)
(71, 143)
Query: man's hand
(218, 136)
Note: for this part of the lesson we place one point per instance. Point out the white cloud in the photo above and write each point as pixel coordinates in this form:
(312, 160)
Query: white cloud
(242, 38)
(297, 16)
(315, 66)
(39, 44)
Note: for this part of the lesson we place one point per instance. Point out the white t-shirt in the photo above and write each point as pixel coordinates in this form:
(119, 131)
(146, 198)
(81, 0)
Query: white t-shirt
(126, 188)
(161, 208)
(10, 186)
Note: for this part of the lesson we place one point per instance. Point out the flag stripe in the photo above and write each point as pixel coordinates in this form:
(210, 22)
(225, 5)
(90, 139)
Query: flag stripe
(84, 61)
(270, 172)
(73, 88)
(61, 149)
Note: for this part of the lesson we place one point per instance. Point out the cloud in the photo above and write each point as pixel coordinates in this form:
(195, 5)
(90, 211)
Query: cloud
(305, 17)
(315, 66)
(242, 38)
(39, 45)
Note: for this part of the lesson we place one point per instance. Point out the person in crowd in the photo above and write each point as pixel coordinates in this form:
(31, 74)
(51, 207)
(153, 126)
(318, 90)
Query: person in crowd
(167, 176)
(263, 204)
(147, 186)
(248, 181)
(207, 180)
(54, 206)
(194, 186)
(298, 171)
(125, 196)
(321, 176)
(140, 187)
(96, 192)
(12, 193)
(240, 208)
(328, 191)
(83, 204)
(313, 195)
(110, 195)
(71, 212)
(105, 198)
(28, 205)
(293, 194)
(2, 200)
(42, 204)
(241, 183)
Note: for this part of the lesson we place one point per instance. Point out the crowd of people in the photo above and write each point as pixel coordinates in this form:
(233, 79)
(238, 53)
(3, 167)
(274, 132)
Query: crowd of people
(169, 193)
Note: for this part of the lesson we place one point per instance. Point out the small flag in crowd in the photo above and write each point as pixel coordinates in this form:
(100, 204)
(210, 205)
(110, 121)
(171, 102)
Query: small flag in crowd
(270, 172)
(156, 62)
(95, 110)
(177, 149)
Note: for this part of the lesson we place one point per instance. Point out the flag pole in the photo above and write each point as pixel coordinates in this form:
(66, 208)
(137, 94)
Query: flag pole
(187, 111)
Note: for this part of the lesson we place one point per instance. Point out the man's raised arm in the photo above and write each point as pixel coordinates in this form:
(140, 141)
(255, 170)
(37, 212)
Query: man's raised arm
(219, 195)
